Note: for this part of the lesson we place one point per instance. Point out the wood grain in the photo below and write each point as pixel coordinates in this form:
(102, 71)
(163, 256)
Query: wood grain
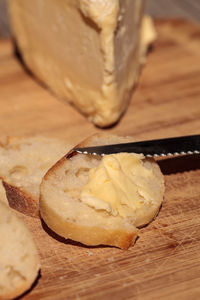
(165, 261)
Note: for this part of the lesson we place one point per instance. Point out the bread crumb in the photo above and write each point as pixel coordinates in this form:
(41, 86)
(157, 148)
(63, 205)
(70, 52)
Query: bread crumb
(111, 259)
(90, 253)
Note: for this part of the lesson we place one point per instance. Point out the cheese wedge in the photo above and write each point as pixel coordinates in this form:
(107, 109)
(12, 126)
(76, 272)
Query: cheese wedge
(87, 52)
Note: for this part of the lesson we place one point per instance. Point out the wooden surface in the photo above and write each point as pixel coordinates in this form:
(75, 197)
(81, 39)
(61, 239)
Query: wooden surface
(165, 261)
(188, 9)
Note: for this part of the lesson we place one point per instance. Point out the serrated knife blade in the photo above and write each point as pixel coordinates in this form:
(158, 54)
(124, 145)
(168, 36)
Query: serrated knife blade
(182, 145)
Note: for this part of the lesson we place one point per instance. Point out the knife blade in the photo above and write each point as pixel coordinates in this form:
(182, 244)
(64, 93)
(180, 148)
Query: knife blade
(182, 145)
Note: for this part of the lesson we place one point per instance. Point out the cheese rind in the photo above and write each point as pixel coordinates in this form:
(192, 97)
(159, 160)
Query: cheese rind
(86, 51)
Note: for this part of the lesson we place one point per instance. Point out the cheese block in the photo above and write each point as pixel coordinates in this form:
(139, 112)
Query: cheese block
(87, 52)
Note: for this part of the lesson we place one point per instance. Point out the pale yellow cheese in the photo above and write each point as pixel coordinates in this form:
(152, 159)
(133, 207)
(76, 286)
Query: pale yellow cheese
(87, 51)
(148, 35)
(120, 185)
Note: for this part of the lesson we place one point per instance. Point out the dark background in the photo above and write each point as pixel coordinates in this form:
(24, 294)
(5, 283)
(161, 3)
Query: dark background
(188, 9)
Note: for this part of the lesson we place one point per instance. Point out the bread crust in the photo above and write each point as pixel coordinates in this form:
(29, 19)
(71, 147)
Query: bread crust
(18, 292)
(90, 236)
(122, 237)
(21, 200)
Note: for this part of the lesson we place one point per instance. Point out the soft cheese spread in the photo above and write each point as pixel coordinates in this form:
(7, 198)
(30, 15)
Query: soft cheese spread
(120, 185)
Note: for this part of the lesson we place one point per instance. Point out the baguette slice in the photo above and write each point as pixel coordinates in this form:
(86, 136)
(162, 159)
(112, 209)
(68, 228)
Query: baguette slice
(23, 163)
(19, 260)
(64, 212)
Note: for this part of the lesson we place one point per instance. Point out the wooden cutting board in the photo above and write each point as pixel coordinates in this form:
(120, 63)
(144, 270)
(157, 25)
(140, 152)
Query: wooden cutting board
(165, 261)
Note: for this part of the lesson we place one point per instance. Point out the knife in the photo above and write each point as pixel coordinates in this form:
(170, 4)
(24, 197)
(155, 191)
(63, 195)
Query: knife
(182, 145)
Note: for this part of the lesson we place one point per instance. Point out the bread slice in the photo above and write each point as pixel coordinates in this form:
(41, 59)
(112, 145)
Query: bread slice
(23, 163)
(64, 212)
(19, 260)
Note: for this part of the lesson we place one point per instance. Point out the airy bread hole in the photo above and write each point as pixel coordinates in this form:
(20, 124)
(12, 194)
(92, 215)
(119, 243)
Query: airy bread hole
(74, 193)
(14, 274)
(17, 172)
(82, 174)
